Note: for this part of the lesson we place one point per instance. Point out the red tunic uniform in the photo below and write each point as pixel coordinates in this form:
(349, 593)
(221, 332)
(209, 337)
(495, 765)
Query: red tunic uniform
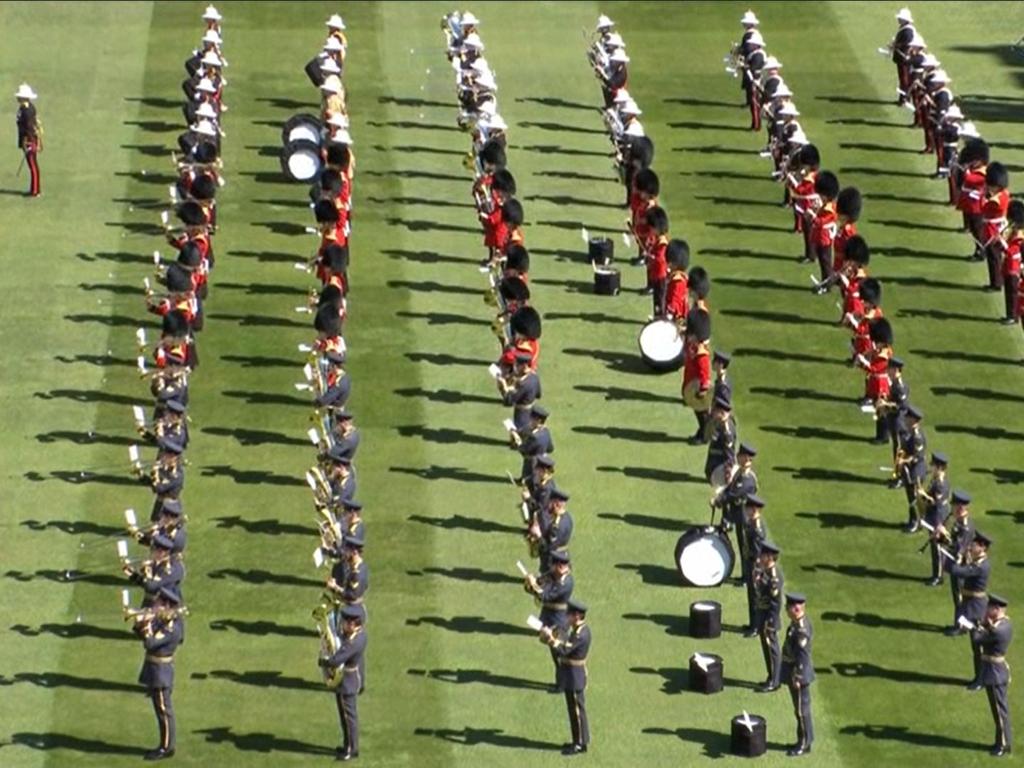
(1012, 254)
(697, 366)
(862, 333)
(824, 226)
(972, 191)
(677, 295)
(876, 384)
(993, 210)
(843, 235)
(657, 264)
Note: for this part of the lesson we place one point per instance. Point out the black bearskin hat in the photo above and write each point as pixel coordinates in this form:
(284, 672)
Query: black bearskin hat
(204, 187)
(1015, 213)
(190, 255)
(338, 155)
(330, 295)
(326, 212)
(514, 289)
(493, 154)
(641, 152)
(205, 152)
(512, 212)
(698, 325)
(526, 322)
(881, 331)
(517, 258)
(827, 185)
(330, 181)
(175, 324)
(336, 257)
(974, 150)
(657, 219)
(504, 181)
(857, 250)
(849, 203)
(871, 291)
(809, 156)
(700, 282)
(997, 176)
(179, 280)
(678, 254)
(191, 214)
(327, 320)
(647, 181)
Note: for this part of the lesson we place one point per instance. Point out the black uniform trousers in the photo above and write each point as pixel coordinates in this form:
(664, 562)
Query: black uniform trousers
(994, 260)
(768, 631)
(164, 710)
(1000, 704)
(801, 695)
(348, 714)
(576, 703)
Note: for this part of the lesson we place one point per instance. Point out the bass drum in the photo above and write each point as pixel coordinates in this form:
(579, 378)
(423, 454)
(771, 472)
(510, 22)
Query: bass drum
(704, 557)
(301, 160)
(661, 346)
(302, 128)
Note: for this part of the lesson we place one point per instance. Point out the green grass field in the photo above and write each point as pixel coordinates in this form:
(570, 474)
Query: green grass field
(454, 676)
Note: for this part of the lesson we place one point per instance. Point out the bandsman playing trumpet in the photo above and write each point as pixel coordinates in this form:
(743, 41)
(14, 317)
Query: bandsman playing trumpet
(163, 569)
(161, 629)
(341, 475)
(912, 463)
(974, 574)
(732, 499)
(538, 487)
(169, 522)
(958, 530)
(754, 535)
(170, 431)
(349, 659)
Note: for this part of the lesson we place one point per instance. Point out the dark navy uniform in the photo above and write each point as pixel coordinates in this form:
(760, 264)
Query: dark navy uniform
(570, 648)
(534, 441)
(161, 638)
(540, 485)
(346, 442)
(523, 394)
(797, 672)
(936, 511)
(555, 533)
(974, 575)
(961, 534)
(721, 446)
(914, 467)
(768, 592)
(733, 498)
(350, 658)
(754, 535)
(892, 422)
(993, 638)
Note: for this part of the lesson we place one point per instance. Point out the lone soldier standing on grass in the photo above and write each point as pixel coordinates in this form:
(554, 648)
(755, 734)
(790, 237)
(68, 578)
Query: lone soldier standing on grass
(570, 647)
(993, 637)
(30, 134)
(798, 671)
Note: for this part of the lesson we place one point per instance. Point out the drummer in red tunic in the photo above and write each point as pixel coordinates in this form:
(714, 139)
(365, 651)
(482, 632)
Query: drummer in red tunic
(824, 222)
(1013, 236)
(696, 387)
(642, 198)
(974, 162)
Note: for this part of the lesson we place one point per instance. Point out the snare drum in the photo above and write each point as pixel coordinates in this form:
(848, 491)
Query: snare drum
(302, 127)
(704, 557)
(301, 160)
(661, 346)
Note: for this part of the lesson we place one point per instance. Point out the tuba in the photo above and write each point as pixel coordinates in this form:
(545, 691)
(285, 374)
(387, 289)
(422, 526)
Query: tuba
(329, 645)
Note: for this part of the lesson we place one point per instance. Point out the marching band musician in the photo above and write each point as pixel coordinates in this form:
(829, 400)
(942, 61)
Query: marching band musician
(520, 389)
(181, 296)
(848, 209)
(349, 659)
(720, 435)
(900, 50)
(912, 462)
(171, 430)
(163, 569)
(551, 528)
(169, 522)
(341, 475)
(677, 289)
(768, 582)
(973, 163)
(614, 76)
(161, 629)
(733, 497)
(993, 637)
(800, 182)
(570, 646)
(537, 489)
(642, 199)
(993, 212)
(974, 575)
(720, 367)
(753, 65)
(337, 385)
(936, 498)
(345, 434)
(213, 18)
(30, 135)
(696, 385)
(168, 383)
(740, 51)
(754, 536)
(350, 577)
(894, 408)
(655, 249)
(824, 223)
(552, 589)
(166, 478)
(1013, 237)
(798, 671)
(958, 530)
(533, 441)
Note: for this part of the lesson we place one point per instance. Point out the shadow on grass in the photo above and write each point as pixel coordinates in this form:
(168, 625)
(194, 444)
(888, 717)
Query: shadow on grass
(423, 257)
(785, 318)
(86, 396)
(623, 362)
(630, 434)
(551, 101)
(257, 361)
(258, 576)
(569, 200)
(825, 475)
(263, 289)
(155, 102)
(799, 393)
(74, 631)
(274, 257)
(575, 176)
(481, 676)
(762, 285)
(444, 318)
(841, 520)
(653, 473)
(590, 318)
(254, 436)
(985, 433)
(557, 149)
(264, 527)
(61, 680)
(258, 321)
(462, 522)
(432, 286)
(744, 253)
(263, 742)
(84, 438)
(860, 572)
(425, 225)
(619, 394)
(444, 395)
(469, 574)
(716, 744)
(458, 474)
(647, 521)
(657, 575)
(261, 628)
(905, 735)
(880, 622)
(74, 527)
(250, 476)
(966, 357)
(49, 740)
(975, 393)
(100, 360)
(401, 101)
(443, 358)
(471, 625)
(268, 398)
(446, 436)
(494, 737)
(80, 477)
(676, 626)
(67, 577)
(814, 433)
